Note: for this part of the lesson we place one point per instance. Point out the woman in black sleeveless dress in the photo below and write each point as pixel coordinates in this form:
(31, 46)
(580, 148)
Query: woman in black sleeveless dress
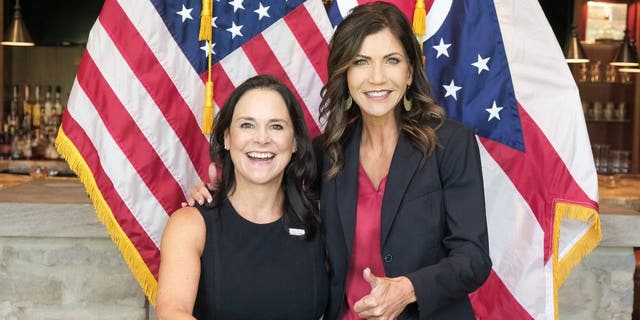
(255, 252)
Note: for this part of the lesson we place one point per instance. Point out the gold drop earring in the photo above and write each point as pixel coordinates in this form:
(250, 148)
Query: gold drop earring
(407, 103)
(347, 103)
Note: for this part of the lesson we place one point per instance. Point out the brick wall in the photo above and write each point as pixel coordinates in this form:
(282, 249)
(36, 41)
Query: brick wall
(57, 262)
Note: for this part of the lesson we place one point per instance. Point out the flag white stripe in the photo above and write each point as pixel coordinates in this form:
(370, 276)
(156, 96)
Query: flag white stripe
(126, 181)
(436, 16)
(344, 6)
(530, 63)
(294, 61)
(550, 296)
(238, 67)
(143, 110)
(571, 231)
(146, 19)
(319, 14)
(516, 244)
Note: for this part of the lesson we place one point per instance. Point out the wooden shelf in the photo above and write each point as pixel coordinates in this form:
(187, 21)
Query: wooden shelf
(618, 134)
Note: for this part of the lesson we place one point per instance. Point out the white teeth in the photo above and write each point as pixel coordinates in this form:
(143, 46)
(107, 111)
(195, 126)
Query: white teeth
(377, 93)
(261, 155)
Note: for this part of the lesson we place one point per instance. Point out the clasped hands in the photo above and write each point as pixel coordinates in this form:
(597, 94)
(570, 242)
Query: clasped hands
(387, 299)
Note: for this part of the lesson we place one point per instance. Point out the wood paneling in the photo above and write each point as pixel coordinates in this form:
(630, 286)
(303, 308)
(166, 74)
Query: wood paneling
(43, 66)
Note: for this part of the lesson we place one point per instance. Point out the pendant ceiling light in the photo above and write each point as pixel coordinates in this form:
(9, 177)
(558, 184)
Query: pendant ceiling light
(626, 55)
(636, 68)
(573, 51)
(17, 33)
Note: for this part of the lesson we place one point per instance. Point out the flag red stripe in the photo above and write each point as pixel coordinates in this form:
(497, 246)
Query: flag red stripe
(264, 61)
(309, 37)
(502, 304)
(146, 247)
(222, 84)
(158, 84)
(539, 174)
(128, 136)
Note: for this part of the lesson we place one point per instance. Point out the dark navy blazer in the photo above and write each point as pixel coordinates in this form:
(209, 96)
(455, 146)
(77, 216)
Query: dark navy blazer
(433, 227)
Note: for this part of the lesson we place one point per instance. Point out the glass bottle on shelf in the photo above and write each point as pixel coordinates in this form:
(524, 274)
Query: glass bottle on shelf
(594, 72)
(610, 74)
(38, 144)
(36, 108)
(56, 117)
(583, 73)
(16, 145)
(27, 103)
(48, 103)
(15, 103)
(14, 106)
(57, 104)
(624, 77)
(5, 142)
(25, 145)
(50, 151)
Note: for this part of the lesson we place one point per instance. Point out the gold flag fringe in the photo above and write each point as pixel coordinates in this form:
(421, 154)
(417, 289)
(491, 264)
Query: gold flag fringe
(420, 22)
(206, 33)
(207, 116)
(562, 268)
(205, 20)
(130, 254)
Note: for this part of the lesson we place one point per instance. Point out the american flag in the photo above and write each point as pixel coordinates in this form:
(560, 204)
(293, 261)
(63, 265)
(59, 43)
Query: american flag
(497, 67)
(131, 130)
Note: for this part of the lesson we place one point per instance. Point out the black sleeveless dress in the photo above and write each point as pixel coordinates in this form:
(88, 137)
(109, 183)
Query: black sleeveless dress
(258, 271)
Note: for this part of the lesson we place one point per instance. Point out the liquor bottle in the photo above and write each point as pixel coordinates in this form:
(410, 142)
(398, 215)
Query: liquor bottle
(25, 145)
(57, 105)
(37, 144)
(48, 103)
(27, 125)
(14, 101)
(36, 108)
(16, 146)
(27, 112)
(27, 103)
(5, 143)
(50, 152)
(57, 113)
(12, 119)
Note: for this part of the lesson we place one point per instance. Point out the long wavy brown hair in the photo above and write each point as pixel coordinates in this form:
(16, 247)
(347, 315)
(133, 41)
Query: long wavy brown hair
(300, 202)
(420, 123)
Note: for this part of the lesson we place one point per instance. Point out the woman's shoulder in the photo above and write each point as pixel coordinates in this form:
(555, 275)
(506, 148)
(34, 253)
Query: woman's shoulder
(186, 227)
(451, 126)
(451, 129)
(187, 217)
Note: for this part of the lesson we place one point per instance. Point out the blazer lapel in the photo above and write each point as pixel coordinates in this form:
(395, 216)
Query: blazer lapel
(403, 166)
(347, 186)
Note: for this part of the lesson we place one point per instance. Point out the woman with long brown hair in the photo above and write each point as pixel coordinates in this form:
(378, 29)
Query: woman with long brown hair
(402, 197)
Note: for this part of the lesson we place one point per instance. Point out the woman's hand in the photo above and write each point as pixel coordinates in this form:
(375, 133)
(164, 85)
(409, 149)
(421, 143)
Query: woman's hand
(200, 192)
(387, 299)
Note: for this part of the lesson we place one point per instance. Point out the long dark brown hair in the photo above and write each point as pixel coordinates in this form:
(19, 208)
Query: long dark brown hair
(300, 203)
(419, 123)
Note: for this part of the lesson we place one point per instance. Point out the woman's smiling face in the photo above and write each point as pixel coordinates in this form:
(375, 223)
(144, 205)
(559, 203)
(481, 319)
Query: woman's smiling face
(260, 138)
(379, 75)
